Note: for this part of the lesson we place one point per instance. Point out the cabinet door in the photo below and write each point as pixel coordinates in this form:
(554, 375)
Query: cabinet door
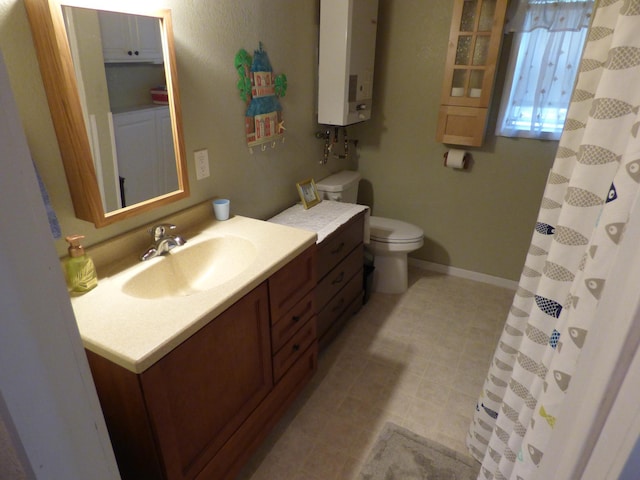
(461, 125)
(200, 393)
(472, 55)
(130, 38)
(147, 38)
(137, 151)
(116, 40)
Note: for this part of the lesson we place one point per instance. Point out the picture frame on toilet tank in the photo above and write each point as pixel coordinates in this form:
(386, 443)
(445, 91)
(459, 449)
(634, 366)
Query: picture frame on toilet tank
(308, 192)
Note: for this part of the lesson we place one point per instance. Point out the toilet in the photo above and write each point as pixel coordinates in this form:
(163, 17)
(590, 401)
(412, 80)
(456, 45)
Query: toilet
(390, 240)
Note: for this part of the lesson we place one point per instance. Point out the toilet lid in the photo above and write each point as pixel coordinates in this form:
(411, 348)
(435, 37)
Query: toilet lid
(388, 230)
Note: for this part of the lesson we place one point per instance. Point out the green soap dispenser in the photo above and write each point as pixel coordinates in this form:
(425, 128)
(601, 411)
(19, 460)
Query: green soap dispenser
(79, 270)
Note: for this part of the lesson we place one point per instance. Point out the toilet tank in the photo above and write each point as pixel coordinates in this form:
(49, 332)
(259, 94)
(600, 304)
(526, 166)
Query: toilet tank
(341, 186)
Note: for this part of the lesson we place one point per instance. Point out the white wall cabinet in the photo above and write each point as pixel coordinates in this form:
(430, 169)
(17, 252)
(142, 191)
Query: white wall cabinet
(130, 38)
(145, 152)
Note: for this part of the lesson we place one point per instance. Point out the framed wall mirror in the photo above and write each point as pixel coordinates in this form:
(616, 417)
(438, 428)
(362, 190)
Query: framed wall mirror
(112, 87)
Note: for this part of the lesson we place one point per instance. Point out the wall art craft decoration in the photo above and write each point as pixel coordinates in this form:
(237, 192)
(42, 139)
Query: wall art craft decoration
(260, 88)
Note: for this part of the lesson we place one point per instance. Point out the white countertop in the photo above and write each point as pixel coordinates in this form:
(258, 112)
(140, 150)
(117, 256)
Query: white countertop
(324, 218)
(135, 332)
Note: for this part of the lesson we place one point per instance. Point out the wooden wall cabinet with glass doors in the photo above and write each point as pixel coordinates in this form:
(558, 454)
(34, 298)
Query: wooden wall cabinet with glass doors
(472, 56)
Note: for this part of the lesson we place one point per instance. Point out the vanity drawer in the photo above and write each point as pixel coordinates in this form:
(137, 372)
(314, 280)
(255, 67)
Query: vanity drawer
(338, 304)
(332, 328)
(339, 276)
(284, 327)
(292, 282)
(336, 247)
(293, 349)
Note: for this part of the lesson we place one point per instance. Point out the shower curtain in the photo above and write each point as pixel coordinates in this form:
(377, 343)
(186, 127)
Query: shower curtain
(591, 187)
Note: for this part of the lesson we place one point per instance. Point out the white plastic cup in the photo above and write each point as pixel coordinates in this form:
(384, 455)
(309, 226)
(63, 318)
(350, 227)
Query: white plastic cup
(221, 208)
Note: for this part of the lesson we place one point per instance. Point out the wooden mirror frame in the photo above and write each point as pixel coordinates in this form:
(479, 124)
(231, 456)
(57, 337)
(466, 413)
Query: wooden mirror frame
(59, 78)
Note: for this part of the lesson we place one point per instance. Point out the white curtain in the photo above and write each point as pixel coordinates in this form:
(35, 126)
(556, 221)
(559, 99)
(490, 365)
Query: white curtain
(552, 15)
(548, 41)
(587, 201)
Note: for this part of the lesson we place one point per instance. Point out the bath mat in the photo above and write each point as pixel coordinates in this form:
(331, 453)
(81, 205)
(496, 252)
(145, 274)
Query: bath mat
(400, 454)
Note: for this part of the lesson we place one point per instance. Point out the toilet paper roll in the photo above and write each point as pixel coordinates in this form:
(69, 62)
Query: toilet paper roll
(455, 158)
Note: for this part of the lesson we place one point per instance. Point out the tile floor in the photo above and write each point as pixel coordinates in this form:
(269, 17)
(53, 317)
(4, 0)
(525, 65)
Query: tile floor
(418, 359)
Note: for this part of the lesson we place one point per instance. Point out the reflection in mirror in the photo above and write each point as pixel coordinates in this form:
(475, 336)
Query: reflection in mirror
(112, 91)
(118, 56)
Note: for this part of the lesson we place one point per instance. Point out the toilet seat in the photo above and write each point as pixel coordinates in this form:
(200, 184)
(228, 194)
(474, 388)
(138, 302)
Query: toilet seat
(390, 241)
(391, 231)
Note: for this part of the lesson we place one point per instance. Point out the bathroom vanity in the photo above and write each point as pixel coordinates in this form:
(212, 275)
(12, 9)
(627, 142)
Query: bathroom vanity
(342, 230)
(191, 381)
(340, 287)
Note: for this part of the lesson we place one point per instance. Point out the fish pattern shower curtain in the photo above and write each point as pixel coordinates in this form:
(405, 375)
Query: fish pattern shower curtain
(592, 185)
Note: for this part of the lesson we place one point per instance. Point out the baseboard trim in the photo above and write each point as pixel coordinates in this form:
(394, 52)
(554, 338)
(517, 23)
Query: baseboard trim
(468, 274)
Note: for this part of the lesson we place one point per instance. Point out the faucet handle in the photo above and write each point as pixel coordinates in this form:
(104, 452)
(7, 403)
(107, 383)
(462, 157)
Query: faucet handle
(160, 231)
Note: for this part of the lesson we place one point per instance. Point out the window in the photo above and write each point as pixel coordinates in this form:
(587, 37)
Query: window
(548, 40)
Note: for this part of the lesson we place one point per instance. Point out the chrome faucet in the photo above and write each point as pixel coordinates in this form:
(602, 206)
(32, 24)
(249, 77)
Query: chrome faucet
(162, 241)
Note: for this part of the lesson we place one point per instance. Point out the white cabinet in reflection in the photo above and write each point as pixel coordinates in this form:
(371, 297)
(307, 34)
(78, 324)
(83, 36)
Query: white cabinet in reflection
(145, 153)
(130, 38)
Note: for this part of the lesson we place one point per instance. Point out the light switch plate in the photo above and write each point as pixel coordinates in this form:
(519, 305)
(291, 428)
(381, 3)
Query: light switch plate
(202, 163)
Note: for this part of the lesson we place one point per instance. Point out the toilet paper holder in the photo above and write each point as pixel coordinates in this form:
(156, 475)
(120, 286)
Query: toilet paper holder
(460, 159)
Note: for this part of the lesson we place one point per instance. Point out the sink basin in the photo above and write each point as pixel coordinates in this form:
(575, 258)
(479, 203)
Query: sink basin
(193, 268)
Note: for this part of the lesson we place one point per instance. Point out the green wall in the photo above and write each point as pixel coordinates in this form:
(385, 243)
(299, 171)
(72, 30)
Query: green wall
(479, 220)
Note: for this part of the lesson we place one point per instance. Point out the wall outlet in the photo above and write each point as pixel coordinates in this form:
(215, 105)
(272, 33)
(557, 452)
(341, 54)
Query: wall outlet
(202, 163)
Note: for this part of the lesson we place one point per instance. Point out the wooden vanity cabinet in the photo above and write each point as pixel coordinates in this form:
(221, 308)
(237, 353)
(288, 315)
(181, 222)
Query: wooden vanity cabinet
(293, 314)
(340, 272)
(201, 411)
(201, 392)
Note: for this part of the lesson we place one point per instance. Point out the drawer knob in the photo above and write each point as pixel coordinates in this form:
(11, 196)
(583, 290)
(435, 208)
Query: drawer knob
(338, 279)
(338, 249)
(338, 306)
